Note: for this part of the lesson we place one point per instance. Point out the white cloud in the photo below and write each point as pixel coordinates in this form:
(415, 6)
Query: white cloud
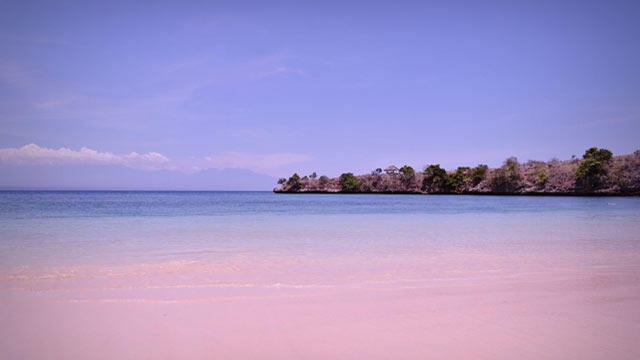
(265, 164)
(34, 154)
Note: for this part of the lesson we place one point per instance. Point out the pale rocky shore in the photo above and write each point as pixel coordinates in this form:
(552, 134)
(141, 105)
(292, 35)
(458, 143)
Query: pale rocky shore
(615, 176)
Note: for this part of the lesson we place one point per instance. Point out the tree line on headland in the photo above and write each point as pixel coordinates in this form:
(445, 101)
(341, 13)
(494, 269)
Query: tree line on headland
(597, 173)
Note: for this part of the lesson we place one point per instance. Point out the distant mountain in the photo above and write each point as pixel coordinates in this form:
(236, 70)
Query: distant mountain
(118, 177)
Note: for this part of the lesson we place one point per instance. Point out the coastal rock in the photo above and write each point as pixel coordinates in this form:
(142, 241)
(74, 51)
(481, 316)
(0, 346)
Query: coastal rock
(609, 176)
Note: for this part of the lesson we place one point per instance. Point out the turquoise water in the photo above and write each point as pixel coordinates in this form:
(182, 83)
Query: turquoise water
(43, 228)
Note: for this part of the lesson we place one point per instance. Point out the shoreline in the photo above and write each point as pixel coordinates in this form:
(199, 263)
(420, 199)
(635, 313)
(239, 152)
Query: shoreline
(540, 194)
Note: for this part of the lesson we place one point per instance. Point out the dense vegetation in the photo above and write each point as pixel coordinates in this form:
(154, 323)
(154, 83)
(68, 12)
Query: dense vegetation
(349, 183)
(598, 172)
(592, 170)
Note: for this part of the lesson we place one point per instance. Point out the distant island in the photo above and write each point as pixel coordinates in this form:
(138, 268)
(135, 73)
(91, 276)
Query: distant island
(597, 173)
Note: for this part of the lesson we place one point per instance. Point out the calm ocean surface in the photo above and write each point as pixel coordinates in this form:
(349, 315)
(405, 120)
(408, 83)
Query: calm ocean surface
(105, 228)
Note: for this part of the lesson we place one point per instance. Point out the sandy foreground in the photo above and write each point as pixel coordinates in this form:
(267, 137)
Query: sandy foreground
(450, 306)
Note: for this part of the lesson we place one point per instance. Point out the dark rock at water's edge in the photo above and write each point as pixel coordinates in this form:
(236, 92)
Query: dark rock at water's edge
(598, 173)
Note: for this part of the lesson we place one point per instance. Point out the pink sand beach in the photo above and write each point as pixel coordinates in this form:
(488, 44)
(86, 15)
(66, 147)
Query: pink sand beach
(466, 304)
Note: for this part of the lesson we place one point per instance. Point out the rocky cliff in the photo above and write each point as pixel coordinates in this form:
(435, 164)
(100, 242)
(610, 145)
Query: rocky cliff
(597, 173)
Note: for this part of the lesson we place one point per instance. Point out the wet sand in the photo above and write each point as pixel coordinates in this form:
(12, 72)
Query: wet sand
(463, 304)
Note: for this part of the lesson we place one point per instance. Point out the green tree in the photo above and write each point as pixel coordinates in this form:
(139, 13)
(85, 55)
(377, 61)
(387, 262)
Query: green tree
(294, 182)
(282, 181)
(459, 179)
(434, 179)
(592, 170)
(407, 175)
(601, 155)
(541, 176)
(590, 173)
(478, 174)
(507, 177)
(314, 175)
(349, 183)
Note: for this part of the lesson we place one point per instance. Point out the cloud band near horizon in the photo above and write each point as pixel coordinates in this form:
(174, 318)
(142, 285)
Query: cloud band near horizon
(33, 154)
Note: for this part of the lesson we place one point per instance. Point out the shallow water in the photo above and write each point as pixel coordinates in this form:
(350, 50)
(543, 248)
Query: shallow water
(80, 228)
(257, 274)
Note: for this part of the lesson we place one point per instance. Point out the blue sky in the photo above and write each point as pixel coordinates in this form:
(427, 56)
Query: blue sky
(277, 87)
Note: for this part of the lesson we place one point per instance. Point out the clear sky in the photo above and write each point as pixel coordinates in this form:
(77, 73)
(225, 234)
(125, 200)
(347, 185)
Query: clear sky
(277, 87)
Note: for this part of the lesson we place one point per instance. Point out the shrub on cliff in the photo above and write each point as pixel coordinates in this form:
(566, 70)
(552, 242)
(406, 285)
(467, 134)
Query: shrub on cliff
(478, 174)
(323, 180)
(434, 179)
(349, 183)
(282, 181)
(459, 180)
(507, 177)
(407, 175)
(592, 169)
(598, 154)
(293, 183)
(541, 176)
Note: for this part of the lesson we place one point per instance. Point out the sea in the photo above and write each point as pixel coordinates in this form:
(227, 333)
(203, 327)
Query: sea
(68, 228)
